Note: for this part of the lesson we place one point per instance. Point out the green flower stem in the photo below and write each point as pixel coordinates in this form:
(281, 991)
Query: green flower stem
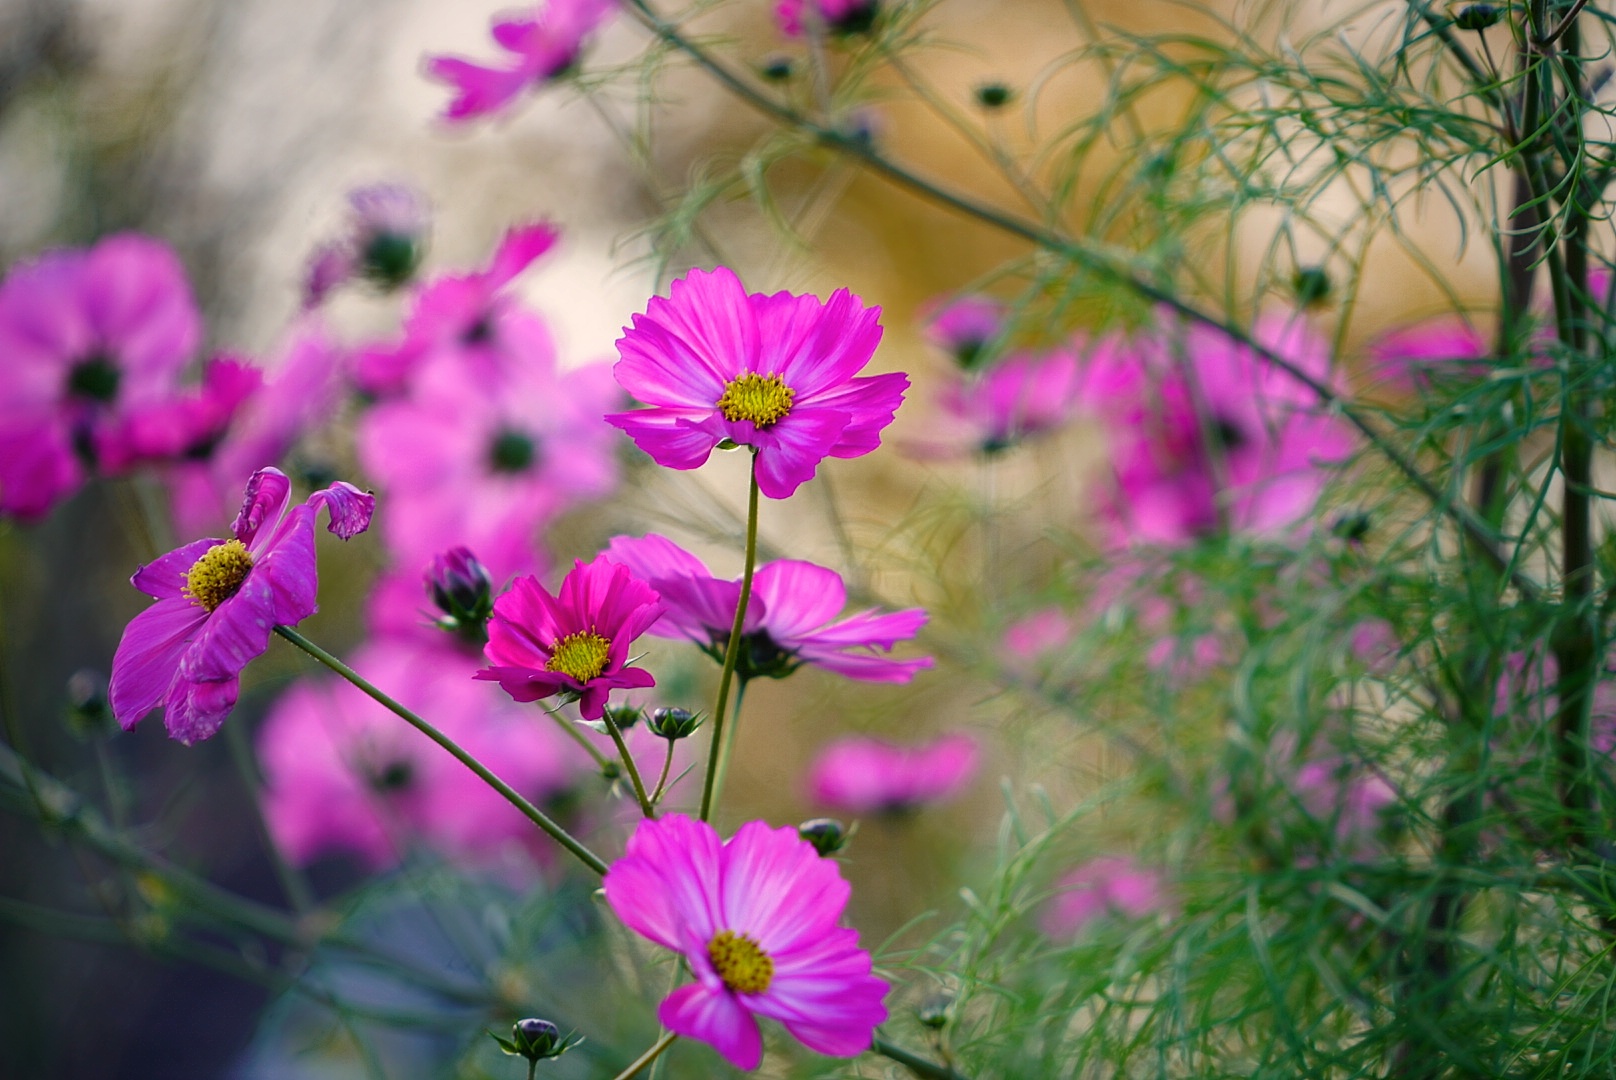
(648, 1057)
(732, 652)
(1110, 265)
(662, 781)
(602, 762)
(729, 741)
(921, 1067)
(511, 795)
(646, 806)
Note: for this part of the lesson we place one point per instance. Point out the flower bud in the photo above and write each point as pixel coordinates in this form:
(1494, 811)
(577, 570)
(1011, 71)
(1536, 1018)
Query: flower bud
(935, 1011)
(993, 95)
(1477, 16)
(1312, 286)
(624, 716)
(536, 1040)
(673, 724)
(461, 589)
(827, 835)
(777, 68)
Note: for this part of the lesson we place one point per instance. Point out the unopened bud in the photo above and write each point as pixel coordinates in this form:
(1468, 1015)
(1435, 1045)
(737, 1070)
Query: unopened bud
(624, 716)
(935, 1011)
(1477, 16)
(673, 724)
(461, 589)
(1313, 286)
(993, 95)
(827, 835)
(777, 68)
(536, 1040)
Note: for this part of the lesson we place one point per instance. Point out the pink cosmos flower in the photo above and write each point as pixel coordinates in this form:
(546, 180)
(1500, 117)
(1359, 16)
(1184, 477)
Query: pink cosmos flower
(219, 600)
(964, 327)
(187, 425)
(468, 320)
(1037, 639)
(382, 241)
(1023, 395)
(775, 373)
(575, 642)
(543, 44)
(488, 466)
(1406, 358)
(87, 336)
(1109, 885)
(1206, 434)
(865, 776)
(344, 774)
(787, 618)
(756, 919)
(840, 16)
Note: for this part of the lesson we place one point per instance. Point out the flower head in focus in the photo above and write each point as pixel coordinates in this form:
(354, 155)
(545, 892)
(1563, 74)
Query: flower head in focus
(720, 366)
(1109, 885)
(575, 642)
(543, 44)
(88, 336)
(788, 618)
(866, 776)
(219, 600)
(841, 17)
(756, 918)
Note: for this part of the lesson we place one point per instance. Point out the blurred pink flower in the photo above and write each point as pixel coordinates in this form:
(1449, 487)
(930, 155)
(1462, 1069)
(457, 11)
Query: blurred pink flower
(187, 425)
(1406, 358)
(88, 337)
(840, 16)
(342, 773)
(1108, 885)
(964, 327)
(1023, 395)
(865, 776)
(544, 44)
(1205, 434)
(219, 600)
(787, 618)
(469, 321)
(487, 466)
(756, 919)
(383, 240)
(1036, 638)
(576, 642)
(773, 372)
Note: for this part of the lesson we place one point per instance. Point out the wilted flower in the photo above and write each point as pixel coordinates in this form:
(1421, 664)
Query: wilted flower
(718, 365)
(576, 642)
(88, 336)
(787, 617)
(756, 919)
(865, 776)
(1109, 885)
(219, 600)
(544, 44)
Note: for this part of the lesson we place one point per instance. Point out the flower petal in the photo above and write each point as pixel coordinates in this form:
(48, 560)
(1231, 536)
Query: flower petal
(268, 494)
(148, 656)
(777, 888)
(714, 1017)
(665, 887)
(164, 577)
(195, 710)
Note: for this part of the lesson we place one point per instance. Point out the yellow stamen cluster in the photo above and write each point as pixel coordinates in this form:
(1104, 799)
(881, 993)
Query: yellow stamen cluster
(215, 577)
(745, 968)
(762, 399)
(582, 655)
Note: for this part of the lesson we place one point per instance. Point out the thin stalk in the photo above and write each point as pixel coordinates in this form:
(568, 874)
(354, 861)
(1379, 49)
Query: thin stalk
(729, 742)
(510, 794)
(921, 1067)
(732, 651)
(1108, 265)
(602, 762)
(662, 781)
(646, 806)
(649, 1056)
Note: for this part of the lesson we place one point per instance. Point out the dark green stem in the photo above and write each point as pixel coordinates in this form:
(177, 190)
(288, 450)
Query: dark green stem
(646, 806)
(510, 794)
(662, 781)
(732, 651)
(921, 1067)
(602, 762)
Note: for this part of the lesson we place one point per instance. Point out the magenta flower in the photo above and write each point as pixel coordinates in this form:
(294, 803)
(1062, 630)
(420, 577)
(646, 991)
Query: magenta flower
(841, 17)
(775, 373)
(1109, 885)
(1207, 435)
(865, 776)
(1036, 640)
(787, 618)
(544, 45)
(467, 320)
(756, 919)
(87, 337)
(964, 328)
(1025, 394)
(383, 241)
(575, 642)
(344, 774)
(219, 600)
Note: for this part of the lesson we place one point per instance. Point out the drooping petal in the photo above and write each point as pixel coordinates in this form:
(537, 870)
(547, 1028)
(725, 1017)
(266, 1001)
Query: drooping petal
(148, 655)
(348, 508)
(268, 494)
(233, 634)
(195, 710)
(714, 1017)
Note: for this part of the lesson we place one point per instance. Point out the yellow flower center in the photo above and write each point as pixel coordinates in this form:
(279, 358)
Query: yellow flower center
(215, 577)
(762, 399)
(582, 655)
(745, 968)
